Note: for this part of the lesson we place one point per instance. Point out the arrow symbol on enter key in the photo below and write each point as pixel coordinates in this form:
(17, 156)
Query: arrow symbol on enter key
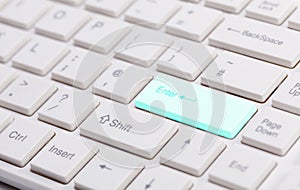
(188, 99)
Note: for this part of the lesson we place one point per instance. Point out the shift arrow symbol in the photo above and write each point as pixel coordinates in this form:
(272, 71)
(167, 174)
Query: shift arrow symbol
(104, 119)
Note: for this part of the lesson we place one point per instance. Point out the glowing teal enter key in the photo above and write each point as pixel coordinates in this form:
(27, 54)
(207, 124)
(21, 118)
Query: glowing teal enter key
(201, 107)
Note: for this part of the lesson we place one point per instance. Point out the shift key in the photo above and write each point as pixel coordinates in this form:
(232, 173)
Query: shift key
(259, 40)
(198, 106)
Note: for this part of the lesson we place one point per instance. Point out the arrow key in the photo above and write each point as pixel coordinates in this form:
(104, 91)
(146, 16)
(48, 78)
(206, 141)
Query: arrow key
(159, 178)
(192, 151)
(98, 168)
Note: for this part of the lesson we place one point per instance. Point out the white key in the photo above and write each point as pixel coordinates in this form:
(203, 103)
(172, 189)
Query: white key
(5, 119)
(21, 140)
(11, 41)
(207, 186)
(61, 23)
(63, 157)
(272, 11)
(7, 76)
(68, 108)
(122, 81)
(231, 6)
(188, 152)
(194, 23)
(185, 59)
(160, 177)
(142, 12)
(287, 97)
(143, 46)
(40, 55)
(101, 34)
(294, 20)
(241, 168)
(23, 13)
(129, 129)
(255, 39)
(80, 68)
(26, 94)
(272, 130)
(243, 76)
(291, 181)
(112, 8)
(71, 2)
(99, 168)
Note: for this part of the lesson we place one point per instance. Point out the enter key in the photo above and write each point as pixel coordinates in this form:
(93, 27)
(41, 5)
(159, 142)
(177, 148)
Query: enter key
(195, 105)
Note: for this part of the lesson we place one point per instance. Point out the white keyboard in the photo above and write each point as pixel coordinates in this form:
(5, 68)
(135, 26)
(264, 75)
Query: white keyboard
(150, 94)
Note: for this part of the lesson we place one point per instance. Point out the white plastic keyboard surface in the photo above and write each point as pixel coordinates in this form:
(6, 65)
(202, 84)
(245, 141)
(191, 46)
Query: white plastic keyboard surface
(45, 54)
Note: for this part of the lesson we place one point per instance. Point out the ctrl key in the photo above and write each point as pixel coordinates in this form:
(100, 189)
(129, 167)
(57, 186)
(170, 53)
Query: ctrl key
(21, 140)
(63, 157)
(241, 168)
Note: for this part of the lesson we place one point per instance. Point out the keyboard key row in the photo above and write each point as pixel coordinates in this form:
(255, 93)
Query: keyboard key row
(190, 150)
